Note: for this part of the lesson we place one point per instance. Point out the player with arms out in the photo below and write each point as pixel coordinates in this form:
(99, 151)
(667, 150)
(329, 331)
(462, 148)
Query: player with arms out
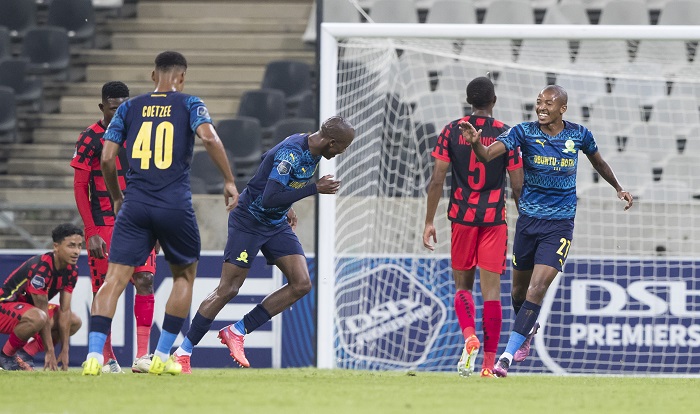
(159, 129)
(97, 212)
(25, 312)
(264, 221)
(477, 211)
(547, 206)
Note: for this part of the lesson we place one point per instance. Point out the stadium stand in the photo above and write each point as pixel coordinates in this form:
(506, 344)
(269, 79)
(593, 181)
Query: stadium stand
(680, 12)
(266, 105)
(27, 88)
(8, 115)
(290, 126)
(227, 44)
(452, 12)
(289, 76)
(394, 11)
(76, 16)
(48, 51)
(5, 48)
(18, 16)
(243, 138)
(624, 12)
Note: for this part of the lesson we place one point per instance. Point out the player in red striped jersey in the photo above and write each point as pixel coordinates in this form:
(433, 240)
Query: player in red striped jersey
(477, 211)
(25, 312)
(96, 210)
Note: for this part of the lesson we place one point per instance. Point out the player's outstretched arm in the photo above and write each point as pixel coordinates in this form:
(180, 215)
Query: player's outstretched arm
(215, 149)
(434, 193)
(608, 175)
(484, 154)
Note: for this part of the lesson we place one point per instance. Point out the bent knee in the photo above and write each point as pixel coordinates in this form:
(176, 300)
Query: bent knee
(36, 317)
(143, 282)
(75, 323)
(302, 287)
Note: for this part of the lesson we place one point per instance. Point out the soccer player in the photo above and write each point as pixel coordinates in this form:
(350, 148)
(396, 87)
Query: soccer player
(25, 312)
(547, 206)
(96, 210)
(477, 211)
(264, 221)
(159, 129)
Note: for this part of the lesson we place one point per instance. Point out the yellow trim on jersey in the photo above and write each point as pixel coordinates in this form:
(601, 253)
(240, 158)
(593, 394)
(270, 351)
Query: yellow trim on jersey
(13, 292)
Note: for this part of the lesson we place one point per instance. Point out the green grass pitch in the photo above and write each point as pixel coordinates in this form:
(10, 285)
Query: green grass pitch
(311, 391)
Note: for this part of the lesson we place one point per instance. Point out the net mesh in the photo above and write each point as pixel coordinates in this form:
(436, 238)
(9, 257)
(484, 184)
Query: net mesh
(629, 298)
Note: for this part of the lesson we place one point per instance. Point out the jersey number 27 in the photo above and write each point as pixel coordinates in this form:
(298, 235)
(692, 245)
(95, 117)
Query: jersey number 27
(162, 153)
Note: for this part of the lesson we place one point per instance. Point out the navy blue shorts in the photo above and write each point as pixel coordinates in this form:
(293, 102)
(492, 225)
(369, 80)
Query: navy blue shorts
(539, 241)
(139, 225)
(244, 242)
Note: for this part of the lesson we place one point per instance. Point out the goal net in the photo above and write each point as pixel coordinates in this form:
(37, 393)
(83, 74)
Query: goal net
(628, 300)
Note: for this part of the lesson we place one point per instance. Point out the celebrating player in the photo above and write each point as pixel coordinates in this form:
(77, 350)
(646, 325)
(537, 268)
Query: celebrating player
(478, 213)
(96, 210)
(159, 129)
(547, 206)
(25, 312)
(264, 221)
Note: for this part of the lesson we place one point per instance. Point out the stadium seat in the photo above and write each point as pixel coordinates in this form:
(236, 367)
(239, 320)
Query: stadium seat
(414, 80)
(657, 140)
(591, 53)
(291, 126)
(454, 77)
(18, 16)
(509, 12)
(340, 11)
(48, 50)
(633, 170)
(76, 16)
(620, 110)
(683, 168)
(267, 105)
(585, 174)
(519, 83)
(673, 58)
(667, 191)
(27, 89)
(624, 12)
(690, 141)
(204, 169)
(394, 11)
(566, 13)
(685, 12)
(5, 48)
(8, 115)
(645, 82)
(243, 139)
(676, 112)
(495, 50)
(451, 11)
(548, 54)
(289, 76)
(307, 106)
(582, 90)
(439, 108)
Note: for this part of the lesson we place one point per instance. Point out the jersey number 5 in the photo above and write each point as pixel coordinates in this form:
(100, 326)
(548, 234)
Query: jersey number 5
(477, 173)
(162, 153)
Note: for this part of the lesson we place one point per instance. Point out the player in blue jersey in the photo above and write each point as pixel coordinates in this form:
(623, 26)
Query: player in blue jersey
(547, 206)
(159, 129)
(264, 221)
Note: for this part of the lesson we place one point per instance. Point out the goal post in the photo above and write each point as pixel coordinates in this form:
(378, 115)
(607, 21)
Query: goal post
(628, 301)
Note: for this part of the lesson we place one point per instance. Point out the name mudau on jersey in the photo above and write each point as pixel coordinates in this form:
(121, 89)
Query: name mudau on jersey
(156, 111)
(553, 161)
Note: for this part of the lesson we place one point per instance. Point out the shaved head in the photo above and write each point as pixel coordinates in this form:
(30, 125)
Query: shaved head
(559, 93)
(338, 128)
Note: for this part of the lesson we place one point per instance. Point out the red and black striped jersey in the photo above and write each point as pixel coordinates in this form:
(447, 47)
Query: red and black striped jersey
(478, 190)
(88, 151)
(39, 277)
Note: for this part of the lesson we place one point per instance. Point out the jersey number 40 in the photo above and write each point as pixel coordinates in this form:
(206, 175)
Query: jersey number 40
(162, 154)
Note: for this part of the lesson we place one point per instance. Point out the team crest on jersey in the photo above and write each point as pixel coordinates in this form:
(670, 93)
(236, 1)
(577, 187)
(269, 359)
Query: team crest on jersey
(38, 282)
(284, 167)
(569, 144)
(203, 112)
(243, 257)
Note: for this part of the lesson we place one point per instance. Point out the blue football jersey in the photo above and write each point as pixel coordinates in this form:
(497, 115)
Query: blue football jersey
(291, 163)
(549, 166)
(159, 130)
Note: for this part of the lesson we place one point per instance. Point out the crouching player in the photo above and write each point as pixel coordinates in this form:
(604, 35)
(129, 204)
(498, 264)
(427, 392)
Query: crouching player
(25, 312)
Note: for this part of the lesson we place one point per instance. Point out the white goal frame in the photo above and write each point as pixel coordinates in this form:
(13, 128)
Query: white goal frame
(329, 35)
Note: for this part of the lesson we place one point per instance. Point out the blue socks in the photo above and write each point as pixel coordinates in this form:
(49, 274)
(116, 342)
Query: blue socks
(171, 327)
(252, 320)
(523, 324)
(198, 328)
(100, 326)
